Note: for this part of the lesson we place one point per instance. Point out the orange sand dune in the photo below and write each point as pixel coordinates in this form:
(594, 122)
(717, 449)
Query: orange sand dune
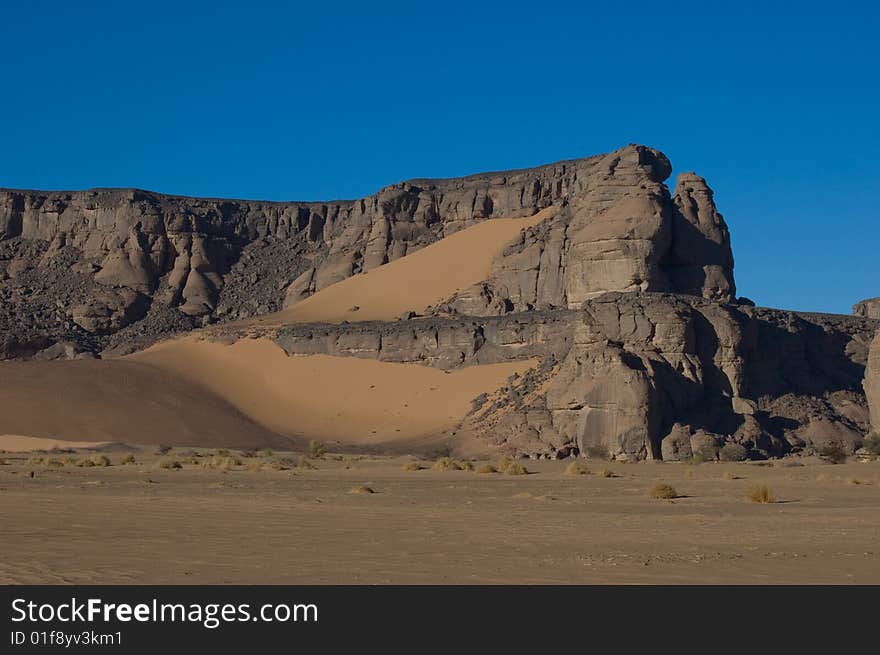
(346, 399)
(113, 400)
(412, 283)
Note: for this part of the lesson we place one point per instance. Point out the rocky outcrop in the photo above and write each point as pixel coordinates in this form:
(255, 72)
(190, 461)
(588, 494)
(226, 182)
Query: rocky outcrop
(640, 375)
(81, 266)
(869, 308)
(872, 383)
(619, 231)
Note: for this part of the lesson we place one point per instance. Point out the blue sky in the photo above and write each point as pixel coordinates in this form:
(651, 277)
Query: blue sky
(779, 111)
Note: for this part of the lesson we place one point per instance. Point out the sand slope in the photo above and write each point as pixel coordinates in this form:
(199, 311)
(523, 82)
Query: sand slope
(412, 283)
(113, 400)
(345, 399)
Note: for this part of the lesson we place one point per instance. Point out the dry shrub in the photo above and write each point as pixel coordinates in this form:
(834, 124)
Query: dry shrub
(872, 443)
(163, 450)
(606, 473)
(760, 494)
(486, 468)
(305, 464)
(412, 466)
(362, 489)
(54, 463)
(128, 459)
(834, 454)
(516, 469)
(577, 467)
(663, 491)
(733, 452)
(168, 463)
(466, 466)
(447, 464)
(504, 463)
(222, 463)
(316, 449)
(94, 460)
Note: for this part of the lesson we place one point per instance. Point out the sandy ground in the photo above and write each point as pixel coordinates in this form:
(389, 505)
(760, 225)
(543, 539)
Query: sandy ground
(139, 524)
(344, 400)
(412, 283)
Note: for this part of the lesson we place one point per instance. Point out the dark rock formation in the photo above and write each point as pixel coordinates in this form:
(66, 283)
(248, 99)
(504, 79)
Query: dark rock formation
(79, 267)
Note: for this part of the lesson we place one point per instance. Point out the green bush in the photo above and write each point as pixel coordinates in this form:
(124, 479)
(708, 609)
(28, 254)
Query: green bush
(316, 449)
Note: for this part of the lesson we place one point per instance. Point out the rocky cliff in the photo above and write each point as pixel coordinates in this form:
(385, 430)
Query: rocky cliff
(641, 375)
(83, 271)
(869, 308)
(624, 294)
(872, 383)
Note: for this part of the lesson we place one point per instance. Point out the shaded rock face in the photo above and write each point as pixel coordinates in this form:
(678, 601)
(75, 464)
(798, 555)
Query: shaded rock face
(81, 266)
(872, 383)
(869, 308)
(619, 231)
(641, 375)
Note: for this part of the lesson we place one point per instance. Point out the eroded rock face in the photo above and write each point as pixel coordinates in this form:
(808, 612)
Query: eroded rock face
(869, 308)
(641, 375)
(872, 383)
(617, 229)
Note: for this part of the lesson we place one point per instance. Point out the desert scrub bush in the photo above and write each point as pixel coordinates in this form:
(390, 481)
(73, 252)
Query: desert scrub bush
(222, 452)
(577, 467)
(606, 473)
(503, 464)
(224, 463)
(516, 469)
(733, 452)
(128, 459)
(168, 463)
(54, 463)
(316, 449)
(833, 454)
(305, 464)
(465, 466)
(663, 491)
(412, 466)
(163, 450)
(760, 493)
(447, 464)
(362, 489)
(486, 468)
(872, 443)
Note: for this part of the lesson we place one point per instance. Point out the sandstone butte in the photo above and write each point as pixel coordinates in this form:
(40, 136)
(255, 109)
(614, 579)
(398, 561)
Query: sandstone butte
(577, 307)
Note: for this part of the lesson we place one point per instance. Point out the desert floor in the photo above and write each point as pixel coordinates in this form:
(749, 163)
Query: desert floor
(138, 523)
